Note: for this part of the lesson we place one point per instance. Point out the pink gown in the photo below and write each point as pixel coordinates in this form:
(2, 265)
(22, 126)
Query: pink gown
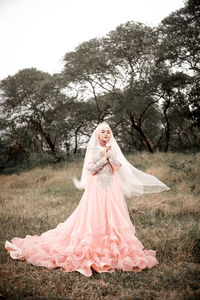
(98, 234)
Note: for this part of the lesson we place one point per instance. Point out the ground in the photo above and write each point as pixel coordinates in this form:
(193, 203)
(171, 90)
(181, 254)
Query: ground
(34, 201)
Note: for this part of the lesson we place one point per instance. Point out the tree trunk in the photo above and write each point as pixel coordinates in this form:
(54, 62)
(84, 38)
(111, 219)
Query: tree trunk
(142, 134)
(50, 144)
(167, 128)
(76, 138)
(47, 137)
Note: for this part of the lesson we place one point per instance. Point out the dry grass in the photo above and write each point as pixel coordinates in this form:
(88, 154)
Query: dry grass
(37, 200)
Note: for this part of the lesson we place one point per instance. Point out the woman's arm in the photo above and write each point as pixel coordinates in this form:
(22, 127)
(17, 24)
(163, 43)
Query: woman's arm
(113, 161)
(94, 167)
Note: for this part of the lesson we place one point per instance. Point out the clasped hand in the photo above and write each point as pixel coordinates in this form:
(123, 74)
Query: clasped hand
(105, 152)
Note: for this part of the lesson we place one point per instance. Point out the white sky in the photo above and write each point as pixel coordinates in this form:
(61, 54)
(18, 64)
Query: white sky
(37, 33)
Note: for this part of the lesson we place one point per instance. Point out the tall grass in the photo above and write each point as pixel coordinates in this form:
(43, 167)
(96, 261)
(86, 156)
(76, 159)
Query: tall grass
(37, 200)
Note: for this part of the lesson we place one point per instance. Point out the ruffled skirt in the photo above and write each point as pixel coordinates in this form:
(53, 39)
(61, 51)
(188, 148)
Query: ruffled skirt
(98, 234)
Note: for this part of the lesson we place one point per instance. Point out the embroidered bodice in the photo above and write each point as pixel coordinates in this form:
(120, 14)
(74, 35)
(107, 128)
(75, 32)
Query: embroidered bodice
(101, 167)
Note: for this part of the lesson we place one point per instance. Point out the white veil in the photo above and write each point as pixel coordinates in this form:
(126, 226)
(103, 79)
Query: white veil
(133, 182)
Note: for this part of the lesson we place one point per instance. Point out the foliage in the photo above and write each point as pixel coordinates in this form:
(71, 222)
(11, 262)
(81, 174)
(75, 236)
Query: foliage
(180, 33)
(35, 109)
(142, 80)
(179, 48)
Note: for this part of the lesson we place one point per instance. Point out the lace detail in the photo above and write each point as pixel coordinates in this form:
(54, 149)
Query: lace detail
(101, 168)
(105, 176)
(114, 162)
(95, 167)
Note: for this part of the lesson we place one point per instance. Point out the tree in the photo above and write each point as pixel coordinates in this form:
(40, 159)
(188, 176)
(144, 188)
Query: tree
(33, 103)
(179, 49)
(180, 40)
(116, 68)
(87, 70)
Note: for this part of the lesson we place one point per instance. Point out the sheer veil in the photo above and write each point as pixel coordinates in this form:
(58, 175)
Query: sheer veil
(133, 182)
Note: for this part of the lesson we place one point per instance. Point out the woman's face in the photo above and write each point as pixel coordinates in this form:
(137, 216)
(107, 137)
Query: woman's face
(105, 134)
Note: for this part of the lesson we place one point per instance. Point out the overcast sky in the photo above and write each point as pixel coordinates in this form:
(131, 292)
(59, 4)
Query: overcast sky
(37, 33)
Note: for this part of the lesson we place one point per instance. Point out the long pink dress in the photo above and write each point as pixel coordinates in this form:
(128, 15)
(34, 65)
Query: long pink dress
(98, 234)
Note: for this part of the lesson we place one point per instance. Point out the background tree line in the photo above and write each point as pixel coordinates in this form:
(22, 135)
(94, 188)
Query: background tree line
(143, 80)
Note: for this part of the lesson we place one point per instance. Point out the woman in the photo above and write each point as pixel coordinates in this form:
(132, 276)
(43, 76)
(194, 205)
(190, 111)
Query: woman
(99, 233)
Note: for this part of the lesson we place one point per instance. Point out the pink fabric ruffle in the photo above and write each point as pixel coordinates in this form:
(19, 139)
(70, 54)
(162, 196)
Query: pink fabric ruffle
(98, 234)
(104, 253)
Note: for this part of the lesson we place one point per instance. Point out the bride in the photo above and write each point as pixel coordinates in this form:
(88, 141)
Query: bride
(99, 233)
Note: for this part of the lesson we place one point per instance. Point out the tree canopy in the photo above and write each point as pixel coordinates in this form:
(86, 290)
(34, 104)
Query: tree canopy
(143, 80)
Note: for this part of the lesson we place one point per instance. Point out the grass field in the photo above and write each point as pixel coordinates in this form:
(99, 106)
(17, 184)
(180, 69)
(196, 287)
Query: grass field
(34, 201)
